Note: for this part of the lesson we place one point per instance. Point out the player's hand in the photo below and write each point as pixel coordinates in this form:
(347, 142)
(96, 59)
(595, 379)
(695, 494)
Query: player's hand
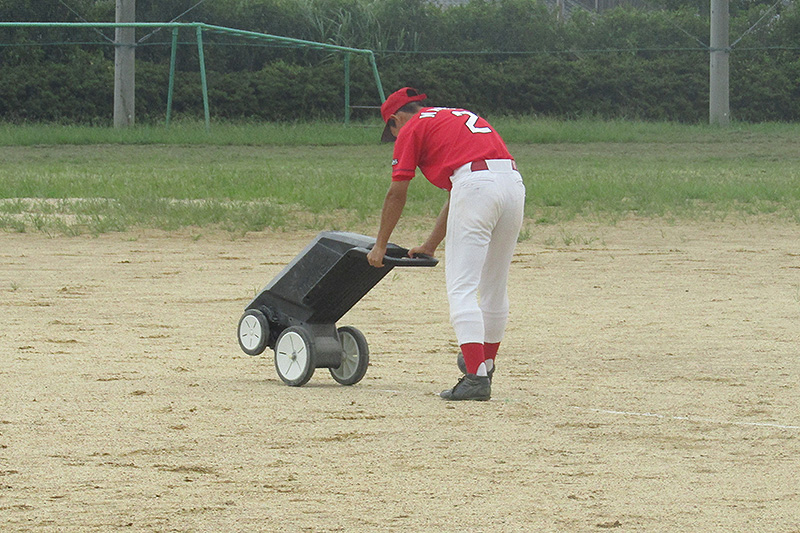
(421, 250)
(375, 256)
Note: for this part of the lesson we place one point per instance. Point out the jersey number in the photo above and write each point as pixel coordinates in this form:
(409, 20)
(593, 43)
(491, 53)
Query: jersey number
(471, 121)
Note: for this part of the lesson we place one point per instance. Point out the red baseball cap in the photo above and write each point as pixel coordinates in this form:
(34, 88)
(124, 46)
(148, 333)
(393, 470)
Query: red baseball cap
(395, 101)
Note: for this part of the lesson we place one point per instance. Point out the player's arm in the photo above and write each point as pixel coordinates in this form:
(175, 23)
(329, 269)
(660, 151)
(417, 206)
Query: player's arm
(392, 209)
(437, 235)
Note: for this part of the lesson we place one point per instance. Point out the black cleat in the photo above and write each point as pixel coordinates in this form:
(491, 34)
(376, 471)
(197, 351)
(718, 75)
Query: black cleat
(469, 387)
(463, 366)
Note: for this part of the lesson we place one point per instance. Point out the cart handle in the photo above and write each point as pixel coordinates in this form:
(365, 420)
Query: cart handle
(419, 260)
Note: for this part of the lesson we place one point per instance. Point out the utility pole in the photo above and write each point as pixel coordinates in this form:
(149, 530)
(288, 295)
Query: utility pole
(719, 108)
(125, 66)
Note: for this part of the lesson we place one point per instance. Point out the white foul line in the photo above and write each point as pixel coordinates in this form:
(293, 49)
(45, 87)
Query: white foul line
(687, 418)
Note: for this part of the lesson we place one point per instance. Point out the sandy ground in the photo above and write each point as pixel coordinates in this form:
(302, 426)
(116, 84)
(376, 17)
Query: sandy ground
(648, 382)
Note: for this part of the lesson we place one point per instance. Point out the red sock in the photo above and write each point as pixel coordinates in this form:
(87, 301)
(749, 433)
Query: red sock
(490, 349)
(473, 356)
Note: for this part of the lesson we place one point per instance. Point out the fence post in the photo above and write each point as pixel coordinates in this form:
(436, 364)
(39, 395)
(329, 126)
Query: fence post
(347, 88)
(172, 61)
(376, 76)
(203, 80)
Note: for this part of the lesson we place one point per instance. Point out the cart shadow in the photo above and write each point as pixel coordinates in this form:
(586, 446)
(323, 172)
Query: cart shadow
(278, 384)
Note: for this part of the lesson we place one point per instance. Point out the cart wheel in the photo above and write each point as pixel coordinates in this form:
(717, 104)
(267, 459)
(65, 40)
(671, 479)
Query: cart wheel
(253, 332)
(294, 356)
(355, 356)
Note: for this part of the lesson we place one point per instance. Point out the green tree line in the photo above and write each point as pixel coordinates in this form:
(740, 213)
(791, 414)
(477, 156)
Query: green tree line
(646, 61)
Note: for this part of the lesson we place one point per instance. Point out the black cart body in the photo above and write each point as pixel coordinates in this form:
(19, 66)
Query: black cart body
(316, 289)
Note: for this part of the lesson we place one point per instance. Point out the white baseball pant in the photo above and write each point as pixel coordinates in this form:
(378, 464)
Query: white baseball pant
(483, 224)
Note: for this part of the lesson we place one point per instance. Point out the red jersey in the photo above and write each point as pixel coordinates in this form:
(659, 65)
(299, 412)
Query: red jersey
(438, 140)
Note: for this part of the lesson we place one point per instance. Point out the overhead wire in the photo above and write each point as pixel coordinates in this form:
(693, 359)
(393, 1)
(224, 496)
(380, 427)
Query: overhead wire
(677, 26)
(173, 20)
(74, 12)
(753, 27)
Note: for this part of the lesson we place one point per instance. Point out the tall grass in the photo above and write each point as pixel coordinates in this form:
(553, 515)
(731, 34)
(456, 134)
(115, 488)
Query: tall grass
(248, 177)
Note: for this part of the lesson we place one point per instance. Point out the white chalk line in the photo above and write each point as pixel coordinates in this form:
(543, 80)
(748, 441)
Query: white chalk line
(688, 418)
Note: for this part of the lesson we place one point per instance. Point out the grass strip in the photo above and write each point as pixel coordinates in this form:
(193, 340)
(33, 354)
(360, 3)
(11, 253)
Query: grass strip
(250, 177)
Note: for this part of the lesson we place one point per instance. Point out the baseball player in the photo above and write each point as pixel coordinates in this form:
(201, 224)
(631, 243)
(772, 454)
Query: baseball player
(459, 152)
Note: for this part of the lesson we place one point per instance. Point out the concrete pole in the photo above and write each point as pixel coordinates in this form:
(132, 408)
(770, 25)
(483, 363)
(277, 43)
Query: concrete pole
(719, 108)
(125, 66)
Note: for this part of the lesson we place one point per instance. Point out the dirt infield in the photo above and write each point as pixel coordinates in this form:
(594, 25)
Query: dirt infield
(648, 382)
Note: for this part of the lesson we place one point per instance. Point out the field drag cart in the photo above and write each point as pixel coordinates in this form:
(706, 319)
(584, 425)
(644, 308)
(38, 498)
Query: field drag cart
(296, 314)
